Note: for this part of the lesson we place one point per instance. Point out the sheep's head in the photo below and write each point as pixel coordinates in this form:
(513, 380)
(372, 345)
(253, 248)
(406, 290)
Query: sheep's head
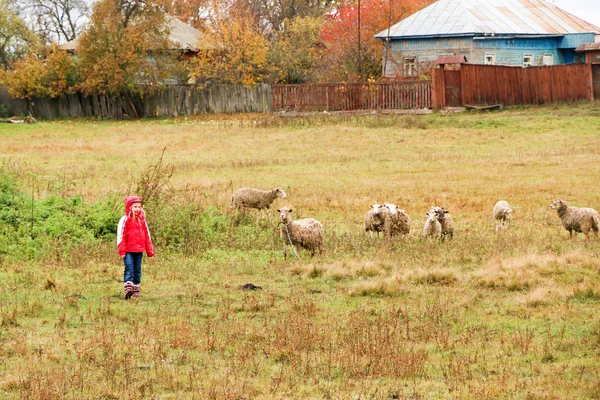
(376, 208)
(285, 215)
(280, 193)
(392, 208)
(432, 216)
(558, 204)
(440, 211)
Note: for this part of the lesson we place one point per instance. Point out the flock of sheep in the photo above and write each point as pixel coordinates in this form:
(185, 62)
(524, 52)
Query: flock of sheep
(308, 233)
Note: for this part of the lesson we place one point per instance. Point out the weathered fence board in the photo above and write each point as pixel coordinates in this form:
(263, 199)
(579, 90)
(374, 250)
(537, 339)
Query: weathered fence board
(352, 96)
(170, 101)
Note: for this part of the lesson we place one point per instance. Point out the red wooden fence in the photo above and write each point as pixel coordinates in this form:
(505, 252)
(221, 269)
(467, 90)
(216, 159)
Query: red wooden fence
(484, 85)
(352, 96)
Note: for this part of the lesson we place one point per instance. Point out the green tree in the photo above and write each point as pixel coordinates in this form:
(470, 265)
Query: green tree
(296, 50)
(15, 38)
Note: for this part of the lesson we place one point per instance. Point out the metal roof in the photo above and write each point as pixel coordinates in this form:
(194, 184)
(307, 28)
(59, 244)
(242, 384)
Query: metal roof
(182, 35)
(487, 17)
(588, 47)
(441, 60)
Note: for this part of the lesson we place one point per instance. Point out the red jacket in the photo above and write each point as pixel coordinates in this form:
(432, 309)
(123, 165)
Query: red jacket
(133, 235)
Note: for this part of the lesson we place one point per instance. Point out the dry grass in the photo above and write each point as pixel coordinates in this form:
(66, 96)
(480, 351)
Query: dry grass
(486, 316)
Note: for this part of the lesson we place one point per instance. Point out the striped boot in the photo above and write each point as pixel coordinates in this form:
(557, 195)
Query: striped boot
(136, 290)
(128, 286)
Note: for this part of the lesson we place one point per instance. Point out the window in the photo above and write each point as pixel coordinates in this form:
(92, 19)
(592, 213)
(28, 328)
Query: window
(410, 66)
(548, 59)
(527, 60)
(489, 59)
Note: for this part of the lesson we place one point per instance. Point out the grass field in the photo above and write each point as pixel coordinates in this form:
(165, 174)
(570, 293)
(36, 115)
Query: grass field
(484, 316)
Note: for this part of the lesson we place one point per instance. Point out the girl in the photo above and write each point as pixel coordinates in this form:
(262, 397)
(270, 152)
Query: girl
(133, 237)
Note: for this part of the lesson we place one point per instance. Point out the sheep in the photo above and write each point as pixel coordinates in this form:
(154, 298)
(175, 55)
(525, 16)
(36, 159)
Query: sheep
(374, 219)
(306, 233)
(396, 221)
(501, 212)
(255, 198)
(576, 219)
(445, 220)
(432, 227)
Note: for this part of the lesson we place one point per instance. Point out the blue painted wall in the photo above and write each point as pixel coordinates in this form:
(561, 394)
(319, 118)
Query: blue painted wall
(508, 50)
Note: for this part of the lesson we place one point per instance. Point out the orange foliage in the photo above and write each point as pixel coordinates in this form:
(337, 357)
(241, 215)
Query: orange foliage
(53, 76)
(120, 51)
(340, 35)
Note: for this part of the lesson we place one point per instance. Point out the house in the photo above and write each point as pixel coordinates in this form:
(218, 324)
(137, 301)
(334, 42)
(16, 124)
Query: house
(503, 32)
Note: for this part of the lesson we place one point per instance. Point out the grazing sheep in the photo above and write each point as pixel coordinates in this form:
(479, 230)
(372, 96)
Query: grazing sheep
(432, 227)
(307, 233)
(502, 213)
(374, 219)
(576, 219)
(254, 198)
(396, 222)
(445, 220)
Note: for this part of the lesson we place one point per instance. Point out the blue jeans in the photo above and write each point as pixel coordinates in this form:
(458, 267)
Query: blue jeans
(133, 268)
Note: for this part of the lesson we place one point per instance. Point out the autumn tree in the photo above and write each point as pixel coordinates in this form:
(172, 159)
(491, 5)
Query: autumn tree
(238, 55)
(347, 59)
(53, 73)
(272, 16)
(125, 45)
(297, 50)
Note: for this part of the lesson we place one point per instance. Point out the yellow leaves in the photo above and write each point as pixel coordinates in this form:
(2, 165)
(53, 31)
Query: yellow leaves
(53, 76)
(117, 53)
(240, 59)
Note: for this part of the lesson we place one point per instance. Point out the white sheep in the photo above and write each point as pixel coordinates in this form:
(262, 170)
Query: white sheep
(502, 212)
(396, 222)
(307, 233)
(432, 227)
(374, 219)
(445, 220)
(576, 219)
(255, 198)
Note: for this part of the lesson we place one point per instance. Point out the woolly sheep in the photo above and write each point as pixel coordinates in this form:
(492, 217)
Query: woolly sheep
(576, 219)
(445, 220)
(502, 213)
(307, 233)
(396, 222)
(255, 198)
(432, 227)
(374, 219)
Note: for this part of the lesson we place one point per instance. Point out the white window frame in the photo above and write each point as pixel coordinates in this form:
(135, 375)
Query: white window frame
(551, 56)
(410, 66)
(492, 59)
(527, 60)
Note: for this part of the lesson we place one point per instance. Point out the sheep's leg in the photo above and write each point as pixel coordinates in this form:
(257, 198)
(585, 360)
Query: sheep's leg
(284, 252)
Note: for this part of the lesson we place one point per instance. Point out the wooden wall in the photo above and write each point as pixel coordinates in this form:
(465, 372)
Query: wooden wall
(352, 96)
(170, 101)
(485, 85)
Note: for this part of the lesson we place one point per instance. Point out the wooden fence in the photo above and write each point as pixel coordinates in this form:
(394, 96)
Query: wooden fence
(352, 96)
(170, 101)
(485, 85)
